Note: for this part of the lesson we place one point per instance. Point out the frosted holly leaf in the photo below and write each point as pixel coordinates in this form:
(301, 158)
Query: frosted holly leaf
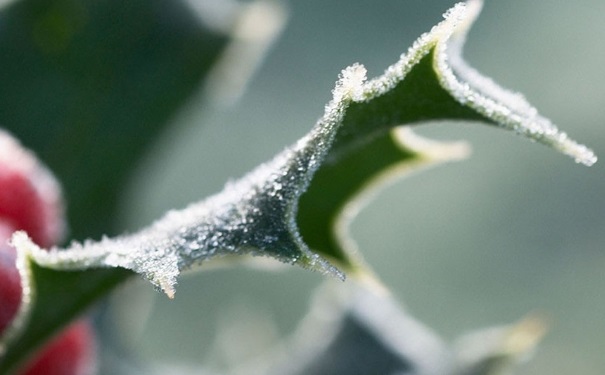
(358, 139)
(296, 207)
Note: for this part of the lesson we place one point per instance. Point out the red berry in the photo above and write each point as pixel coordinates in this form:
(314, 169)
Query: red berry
(71, 353)
(30, 197)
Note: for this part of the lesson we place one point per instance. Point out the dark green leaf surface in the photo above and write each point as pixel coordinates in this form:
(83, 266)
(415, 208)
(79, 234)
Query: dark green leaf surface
(365, 149)
(89, 85)
(56, 303)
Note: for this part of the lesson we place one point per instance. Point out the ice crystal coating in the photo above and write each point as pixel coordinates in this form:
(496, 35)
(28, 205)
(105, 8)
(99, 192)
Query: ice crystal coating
(258, 213)
(508, 109)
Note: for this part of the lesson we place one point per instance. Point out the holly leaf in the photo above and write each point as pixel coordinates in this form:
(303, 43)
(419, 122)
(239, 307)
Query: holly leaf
(296, 207)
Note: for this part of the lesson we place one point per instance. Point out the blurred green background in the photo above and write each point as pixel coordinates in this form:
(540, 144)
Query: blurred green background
(514, 229)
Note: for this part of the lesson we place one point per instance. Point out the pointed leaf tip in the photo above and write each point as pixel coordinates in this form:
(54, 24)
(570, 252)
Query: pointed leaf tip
(507, 109)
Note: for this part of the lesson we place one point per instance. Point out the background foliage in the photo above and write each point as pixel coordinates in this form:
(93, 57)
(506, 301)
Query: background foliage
(514, 229)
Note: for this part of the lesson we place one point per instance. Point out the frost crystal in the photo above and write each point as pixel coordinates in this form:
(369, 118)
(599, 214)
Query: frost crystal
(255, 215)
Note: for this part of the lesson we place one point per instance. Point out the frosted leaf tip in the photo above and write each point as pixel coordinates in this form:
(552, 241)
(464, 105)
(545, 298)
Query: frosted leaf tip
(580, 153)
(586, 157)
(350, 83)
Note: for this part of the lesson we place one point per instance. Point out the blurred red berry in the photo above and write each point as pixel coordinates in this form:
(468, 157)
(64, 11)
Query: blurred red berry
(69, 353)
(30, 200)
(30, 197)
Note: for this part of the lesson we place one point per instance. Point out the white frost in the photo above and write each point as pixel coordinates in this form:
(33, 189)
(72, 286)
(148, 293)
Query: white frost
(509, 109)
(257, 214)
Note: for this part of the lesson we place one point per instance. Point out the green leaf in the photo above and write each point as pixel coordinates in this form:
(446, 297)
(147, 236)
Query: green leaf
(295, 207)
(342, 186)
(52, 299)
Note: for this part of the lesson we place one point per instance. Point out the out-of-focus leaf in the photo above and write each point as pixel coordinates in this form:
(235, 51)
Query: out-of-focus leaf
(494, 351)
(356, 331)
(352, 329)
(89, 85)
(274, 210)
